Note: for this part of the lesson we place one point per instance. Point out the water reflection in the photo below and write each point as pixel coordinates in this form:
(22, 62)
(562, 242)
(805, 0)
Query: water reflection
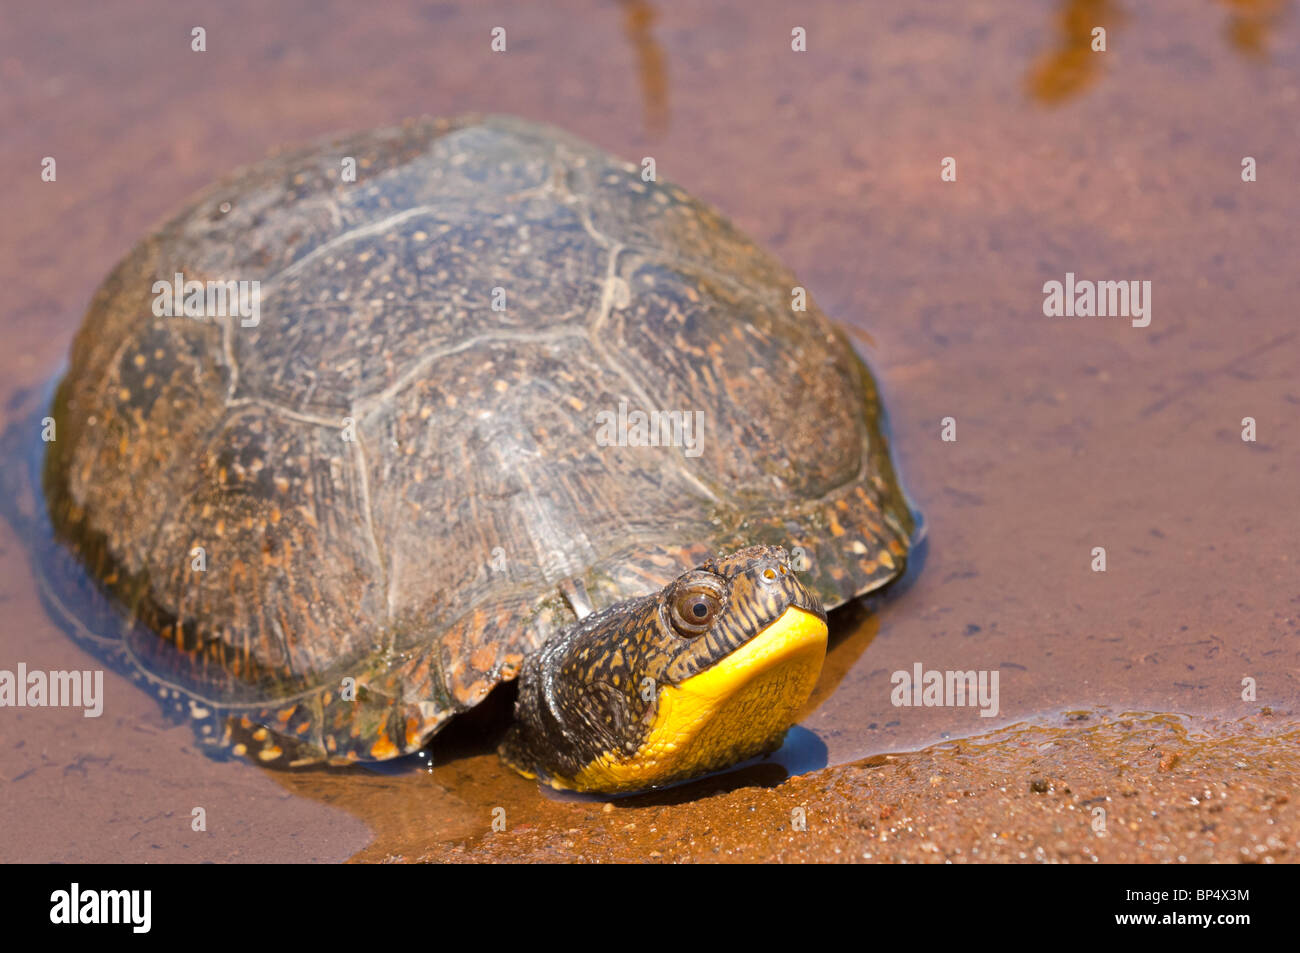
(1073, 65)
(1250, 22)
(638, 22)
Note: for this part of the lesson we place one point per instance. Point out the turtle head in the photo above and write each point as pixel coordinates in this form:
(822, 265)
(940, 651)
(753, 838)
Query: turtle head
(707, 672)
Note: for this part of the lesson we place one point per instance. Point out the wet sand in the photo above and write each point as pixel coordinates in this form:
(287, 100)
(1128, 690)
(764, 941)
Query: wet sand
(1071, 433)
(1089, 787)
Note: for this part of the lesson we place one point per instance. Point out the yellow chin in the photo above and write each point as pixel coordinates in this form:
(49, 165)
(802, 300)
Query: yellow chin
(738, 708)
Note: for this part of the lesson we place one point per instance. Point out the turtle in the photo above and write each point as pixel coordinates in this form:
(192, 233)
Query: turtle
(377, 424)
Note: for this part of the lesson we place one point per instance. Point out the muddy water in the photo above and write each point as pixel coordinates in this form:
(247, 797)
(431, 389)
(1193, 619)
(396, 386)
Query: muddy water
(1071, 433)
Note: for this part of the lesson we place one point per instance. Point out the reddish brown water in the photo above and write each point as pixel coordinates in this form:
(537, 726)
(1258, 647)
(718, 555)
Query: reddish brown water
(1072, 433)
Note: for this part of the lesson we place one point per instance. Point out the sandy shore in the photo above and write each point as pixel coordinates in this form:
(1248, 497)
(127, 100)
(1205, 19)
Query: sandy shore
(1089, 788)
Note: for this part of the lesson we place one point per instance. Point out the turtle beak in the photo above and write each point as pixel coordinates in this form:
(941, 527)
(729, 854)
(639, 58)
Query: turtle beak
(736, 709)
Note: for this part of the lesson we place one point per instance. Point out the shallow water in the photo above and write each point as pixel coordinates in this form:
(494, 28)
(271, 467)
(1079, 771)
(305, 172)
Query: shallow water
(1072, 433)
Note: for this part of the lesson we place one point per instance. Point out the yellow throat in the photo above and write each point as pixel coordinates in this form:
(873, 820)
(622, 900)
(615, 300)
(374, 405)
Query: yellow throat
(738, 708)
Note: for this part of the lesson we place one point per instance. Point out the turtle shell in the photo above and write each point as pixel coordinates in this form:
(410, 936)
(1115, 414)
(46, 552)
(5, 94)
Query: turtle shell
(334, 526)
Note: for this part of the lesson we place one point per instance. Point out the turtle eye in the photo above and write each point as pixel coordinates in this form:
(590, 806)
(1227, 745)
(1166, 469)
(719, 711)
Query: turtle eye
(694, 611)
